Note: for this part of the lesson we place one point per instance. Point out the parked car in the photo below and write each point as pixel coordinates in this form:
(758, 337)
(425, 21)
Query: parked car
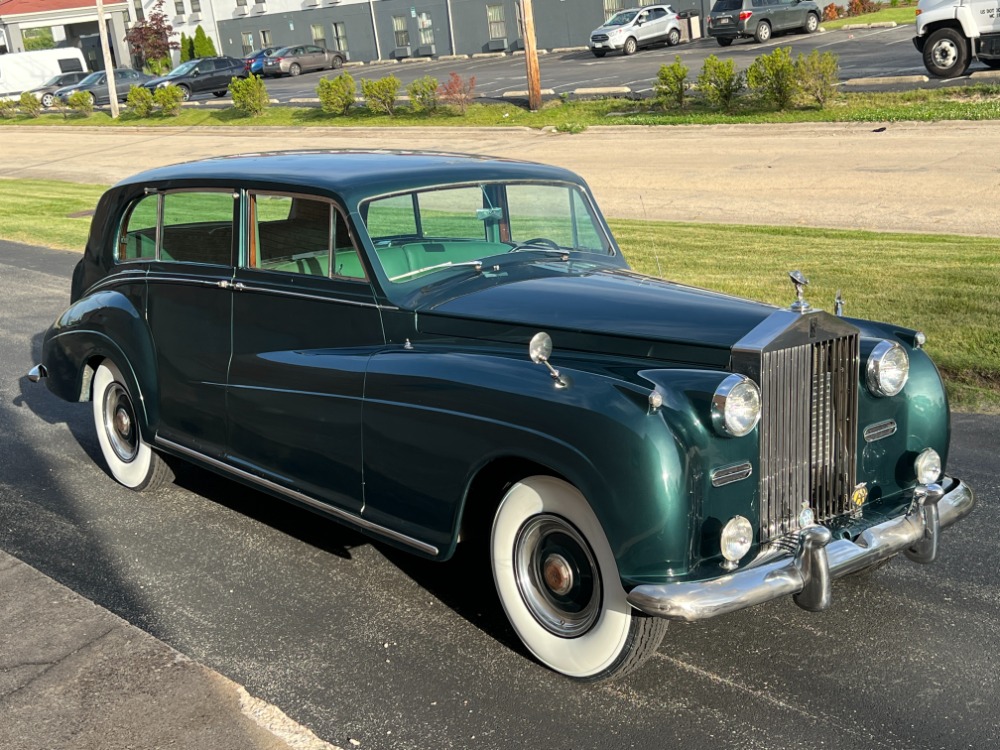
(628, 30)
(46, 93)
(736, 19)
(438, 350)
(96, 84)
(202, 74)
(254, 62)
(301, 58)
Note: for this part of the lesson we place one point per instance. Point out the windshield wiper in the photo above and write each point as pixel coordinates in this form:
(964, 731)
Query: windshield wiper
(477, 263)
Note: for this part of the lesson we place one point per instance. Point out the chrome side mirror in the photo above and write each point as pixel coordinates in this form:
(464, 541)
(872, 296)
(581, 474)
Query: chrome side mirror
(540, 349)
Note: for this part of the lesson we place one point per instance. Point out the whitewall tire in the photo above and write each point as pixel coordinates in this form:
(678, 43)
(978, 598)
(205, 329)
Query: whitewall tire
(559, 584)
(131, 461)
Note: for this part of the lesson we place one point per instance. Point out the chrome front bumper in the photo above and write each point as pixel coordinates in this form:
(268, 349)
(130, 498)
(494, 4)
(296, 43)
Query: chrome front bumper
(807, 574)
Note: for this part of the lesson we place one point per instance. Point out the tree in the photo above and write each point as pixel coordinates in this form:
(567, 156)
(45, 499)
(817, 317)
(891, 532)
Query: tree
(186, 47)
(150, 40)
(203, 44)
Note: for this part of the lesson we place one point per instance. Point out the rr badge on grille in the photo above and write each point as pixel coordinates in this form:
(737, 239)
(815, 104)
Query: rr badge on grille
(859, 495)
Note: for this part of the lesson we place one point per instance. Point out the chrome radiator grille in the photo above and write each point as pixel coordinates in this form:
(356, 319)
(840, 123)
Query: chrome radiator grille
(808, 431)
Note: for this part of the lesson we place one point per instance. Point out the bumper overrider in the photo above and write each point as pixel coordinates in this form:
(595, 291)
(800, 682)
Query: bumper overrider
(806, 574)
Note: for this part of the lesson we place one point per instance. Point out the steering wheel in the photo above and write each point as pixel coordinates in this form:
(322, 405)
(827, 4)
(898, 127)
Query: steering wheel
(535, 242)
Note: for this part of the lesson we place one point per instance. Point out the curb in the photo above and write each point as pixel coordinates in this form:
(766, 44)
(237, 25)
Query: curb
(987, 74)
(876, 25)
(481, 55)
(878, 80)
(522, 94)
(568, 49)
(603, 90)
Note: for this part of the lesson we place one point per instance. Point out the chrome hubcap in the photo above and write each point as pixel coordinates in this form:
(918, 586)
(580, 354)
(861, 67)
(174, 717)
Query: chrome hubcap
(945, 54)
(556, 576)
(119, 423)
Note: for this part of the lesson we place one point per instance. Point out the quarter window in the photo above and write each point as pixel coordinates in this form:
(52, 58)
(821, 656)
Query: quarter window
(139, 235)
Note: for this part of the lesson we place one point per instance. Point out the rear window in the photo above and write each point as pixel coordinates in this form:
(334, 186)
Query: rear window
(726, 5)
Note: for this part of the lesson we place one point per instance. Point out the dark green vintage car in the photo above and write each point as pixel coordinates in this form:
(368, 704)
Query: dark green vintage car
(439, 349)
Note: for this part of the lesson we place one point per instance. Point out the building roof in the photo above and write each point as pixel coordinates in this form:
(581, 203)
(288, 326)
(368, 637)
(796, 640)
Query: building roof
(23, 7)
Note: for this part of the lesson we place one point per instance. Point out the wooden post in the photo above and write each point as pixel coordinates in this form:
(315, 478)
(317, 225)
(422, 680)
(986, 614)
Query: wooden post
(531, 57)
(109, 67)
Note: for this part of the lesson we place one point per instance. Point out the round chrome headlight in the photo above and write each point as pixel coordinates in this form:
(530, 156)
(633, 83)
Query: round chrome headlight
(735, 406)
(928, 466)
(888, 369)
(737, 536)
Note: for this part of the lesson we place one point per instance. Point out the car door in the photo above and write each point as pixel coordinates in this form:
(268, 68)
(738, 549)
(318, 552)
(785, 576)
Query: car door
(189, 314)
(305, 323)
(657, 24)
(314, 58)
(124, 80)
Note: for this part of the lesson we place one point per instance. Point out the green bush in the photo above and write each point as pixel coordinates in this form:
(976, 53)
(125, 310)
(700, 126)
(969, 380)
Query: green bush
(818, 75)
(672, 84)
(187, 47)
(203, 46)
(719, 82)
(30, 104)
(336, 95)
(249, 95)
(380, 95)
(423, 94)
(159, 67)
(81, 102)
(772, 77)
(140, 101)
(8, 109)
(168, 99)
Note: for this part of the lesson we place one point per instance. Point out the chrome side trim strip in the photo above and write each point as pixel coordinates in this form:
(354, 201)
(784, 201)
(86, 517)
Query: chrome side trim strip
(302, 295)
(813, 565)
(733, 473)
(298, 496)
(880, 430)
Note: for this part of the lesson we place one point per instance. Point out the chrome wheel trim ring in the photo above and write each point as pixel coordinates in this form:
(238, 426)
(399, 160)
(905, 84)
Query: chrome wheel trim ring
(119, 423)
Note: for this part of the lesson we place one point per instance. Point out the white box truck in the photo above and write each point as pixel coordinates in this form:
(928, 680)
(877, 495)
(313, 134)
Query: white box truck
(23, 71)
(952, 33)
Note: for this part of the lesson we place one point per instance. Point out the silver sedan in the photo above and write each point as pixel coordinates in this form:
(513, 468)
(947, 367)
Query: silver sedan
(300, 58)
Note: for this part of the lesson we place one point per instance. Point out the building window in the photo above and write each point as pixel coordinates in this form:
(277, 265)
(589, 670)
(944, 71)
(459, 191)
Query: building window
(260, 2)
(265, 38)
(319, 36)
(340, 37)
(426, 28)
(498, 28)
(247, 40)
(241, 3)
(611, 7)
(179, 7)
(196, 6)
(137, 6)
(400, 30)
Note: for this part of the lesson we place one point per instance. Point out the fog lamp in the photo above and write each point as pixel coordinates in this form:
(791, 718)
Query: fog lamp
(737, 536)
(928, 466)
(806, 516)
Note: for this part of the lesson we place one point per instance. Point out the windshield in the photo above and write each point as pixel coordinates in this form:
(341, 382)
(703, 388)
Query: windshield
(620, 19)
(93, 78)
(184, 68)
(417, 233)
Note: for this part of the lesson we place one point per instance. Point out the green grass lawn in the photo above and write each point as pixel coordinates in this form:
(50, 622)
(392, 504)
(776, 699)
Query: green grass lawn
(902, 16)
(941, 284)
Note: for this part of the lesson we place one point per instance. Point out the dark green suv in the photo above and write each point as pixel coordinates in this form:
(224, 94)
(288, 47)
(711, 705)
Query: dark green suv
(734, 19)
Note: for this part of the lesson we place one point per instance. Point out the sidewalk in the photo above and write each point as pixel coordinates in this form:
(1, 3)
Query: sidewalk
(73, 676)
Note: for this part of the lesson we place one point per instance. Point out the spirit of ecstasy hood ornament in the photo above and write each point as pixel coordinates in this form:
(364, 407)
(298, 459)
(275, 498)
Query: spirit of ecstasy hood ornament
(799, 305)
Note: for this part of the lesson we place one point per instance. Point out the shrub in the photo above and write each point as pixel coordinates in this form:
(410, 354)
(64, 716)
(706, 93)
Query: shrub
(81, 102)
(140, 101)
(772, 77)
(893, 3)
(158, 67)
(831, 12)
(249, 95)
(202, 44)
(818, 75)
(168, 99)
(30, 104)
(860, 7)
(187, 47)
(457, 92)
(8, 109)
(336, 95)
(672, 84)
(423, 94)
(380, 95)
(719, 82)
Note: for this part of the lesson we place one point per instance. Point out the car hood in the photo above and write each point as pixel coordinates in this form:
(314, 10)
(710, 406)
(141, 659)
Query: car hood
(642, 312)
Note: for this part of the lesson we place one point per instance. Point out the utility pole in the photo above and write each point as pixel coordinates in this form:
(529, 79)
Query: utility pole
(109, 67)
(531, 57)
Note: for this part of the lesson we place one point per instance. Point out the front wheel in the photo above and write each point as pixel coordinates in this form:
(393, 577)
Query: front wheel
(724, 41)
(599, 53)
(812, 23)
(131, 461)
(558, 582)
(674, 38)
(631, 45)
(185, 92)
(946, 54)
(763, 32)
(218, 93)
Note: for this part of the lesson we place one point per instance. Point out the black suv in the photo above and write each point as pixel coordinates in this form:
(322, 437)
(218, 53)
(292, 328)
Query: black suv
(733, 19)
(202, 74)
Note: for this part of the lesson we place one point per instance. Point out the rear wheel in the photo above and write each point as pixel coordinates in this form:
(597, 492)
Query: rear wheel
(131, 461)
(48, 100)
(558, 582)
(946, 54)
(338, 62)
(294, 69)
(763, 32)
(724, 41)
(812, 23)
(631, 45)
(674, 38)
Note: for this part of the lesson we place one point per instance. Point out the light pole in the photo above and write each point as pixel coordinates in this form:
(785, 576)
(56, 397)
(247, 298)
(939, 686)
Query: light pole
(531, 57)
(109, 68)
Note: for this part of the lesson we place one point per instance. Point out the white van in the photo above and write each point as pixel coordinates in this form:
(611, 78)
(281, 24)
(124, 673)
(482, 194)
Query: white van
(23, 71)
